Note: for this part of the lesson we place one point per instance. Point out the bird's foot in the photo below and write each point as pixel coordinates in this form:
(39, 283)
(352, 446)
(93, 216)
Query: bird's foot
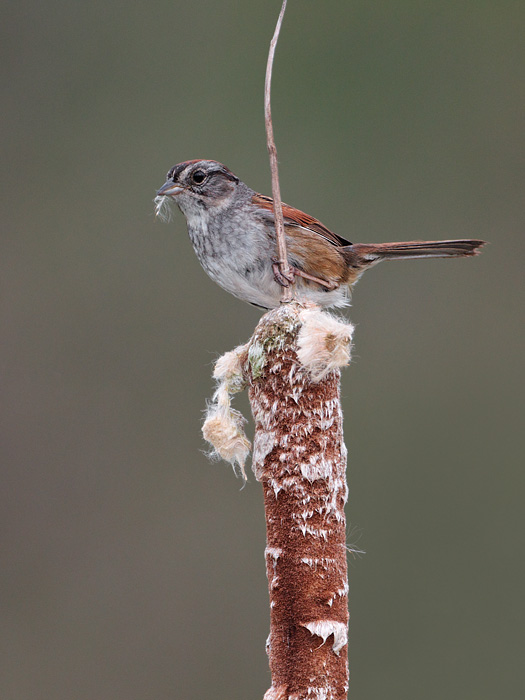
(283, 277)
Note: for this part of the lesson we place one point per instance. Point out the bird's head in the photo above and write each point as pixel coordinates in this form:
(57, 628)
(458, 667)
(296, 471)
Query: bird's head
(198, 186)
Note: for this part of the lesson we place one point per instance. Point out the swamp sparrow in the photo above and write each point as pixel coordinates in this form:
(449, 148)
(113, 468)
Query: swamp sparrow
(232, 231)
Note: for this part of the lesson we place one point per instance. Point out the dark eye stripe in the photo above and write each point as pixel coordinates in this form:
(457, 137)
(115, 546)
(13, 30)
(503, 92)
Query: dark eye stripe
(174, 173)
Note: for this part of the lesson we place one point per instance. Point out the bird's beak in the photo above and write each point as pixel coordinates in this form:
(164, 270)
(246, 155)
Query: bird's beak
(170, 189)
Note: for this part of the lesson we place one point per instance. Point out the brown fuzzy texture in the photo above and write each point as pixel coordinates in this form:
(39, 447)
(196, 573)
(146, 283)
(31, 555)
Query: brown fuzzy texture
(300, 459)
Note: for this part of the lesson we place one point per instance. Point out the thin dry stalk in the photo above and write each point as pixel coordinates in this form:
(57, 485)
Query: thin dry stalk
(286, 292)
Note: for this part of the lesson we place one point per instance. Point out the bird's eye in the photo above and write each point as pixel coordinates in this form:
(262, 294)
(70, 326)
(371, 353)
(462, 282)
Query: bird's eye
(198, 177)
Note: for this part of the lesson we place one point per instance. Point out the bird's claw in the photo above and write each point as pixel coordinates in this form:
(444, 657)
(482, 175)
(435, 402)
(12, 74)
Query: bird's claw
(285, 279)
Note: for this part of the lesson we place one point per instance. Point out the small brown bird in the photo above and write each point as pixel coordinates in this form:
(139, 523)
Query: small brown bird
(233, 233)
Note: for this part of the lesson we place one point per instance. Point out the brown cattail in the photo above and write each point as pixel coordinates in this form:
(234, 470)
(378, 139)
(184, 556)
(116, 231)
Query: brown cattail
(291, 365)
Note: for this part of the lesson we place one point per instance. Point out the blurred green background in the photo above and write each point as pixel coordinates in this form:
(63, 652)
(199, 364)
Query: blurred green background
(132, 567)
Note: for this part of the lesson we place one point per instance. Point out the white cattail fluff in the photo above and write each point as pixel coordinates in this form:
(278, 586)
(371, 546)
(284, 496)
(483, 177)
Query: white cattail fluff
(324, 342)
(223, 424)
(327, 628)
(163, 208)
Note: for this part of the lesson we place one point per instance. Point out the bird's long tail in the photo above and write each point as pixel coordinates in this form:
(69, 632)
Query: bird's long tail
(362, 255)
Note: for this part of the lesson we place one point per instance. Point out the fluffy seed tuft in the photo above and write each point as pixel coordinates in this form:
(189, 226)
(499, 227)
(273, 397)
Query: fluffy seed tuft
(324, 343)
(223, 424)
(223, 430)
(163, 208)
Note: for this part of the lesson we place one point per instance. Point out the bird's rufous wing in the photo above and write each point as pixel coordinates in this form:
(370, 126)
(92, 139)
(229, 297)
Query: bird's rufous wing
(313, 248)
(295, 217)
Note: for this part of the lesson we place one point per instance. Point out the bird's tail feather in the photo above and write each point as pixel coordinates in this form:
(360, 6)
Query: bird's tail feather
(364, 254)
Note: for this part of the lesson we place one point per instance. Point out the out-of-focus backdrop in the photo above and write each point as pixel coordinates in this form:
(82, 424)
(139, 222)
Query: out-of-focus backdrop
(132, 567)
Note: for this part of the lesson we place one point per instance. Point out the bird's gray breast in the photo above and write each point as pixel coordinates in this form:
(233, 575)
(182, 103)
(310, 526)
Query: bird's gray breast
(235, 250)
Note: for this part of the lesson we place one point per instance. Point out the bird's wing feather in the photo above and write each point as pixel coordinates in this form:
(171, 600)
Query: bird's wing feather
(295, 217)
